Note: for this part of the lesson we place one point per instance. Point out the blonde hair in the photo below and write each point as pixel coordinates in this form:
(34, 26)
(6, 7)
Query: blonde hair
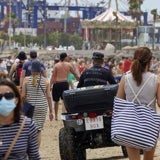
(34, 79)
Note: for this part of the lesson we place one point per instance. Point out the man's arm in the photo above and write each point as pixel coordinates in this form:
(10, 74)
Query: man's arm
(72, 70)
(23, 73)
(23, 89)
(49, 99)
(12, 70)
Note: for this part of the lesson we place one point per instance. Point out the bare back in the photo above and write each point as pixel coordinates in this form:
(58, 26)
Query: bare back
(61, 71)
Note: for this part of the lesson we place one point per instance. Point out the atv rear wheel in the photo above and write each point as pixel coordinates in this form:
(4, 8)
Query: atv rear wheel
(69, 147)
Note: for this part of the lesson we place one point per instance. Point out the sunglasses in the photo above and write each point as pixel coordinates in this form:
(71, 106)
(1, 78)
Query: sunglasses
(7, 95)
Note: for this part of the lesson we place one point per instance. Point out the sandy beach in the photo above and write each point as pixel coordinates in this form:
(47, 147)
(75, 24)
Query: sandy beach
(49, 149)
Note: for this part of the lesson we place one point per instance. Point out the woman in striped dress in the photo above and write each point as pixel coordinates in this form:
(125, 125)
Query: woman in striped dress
(26, 146)
(36, 91)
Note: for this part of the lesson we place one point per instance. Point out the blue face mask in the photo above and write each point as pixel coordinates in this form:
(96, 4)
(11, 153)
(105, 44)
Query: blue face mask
(7, 106)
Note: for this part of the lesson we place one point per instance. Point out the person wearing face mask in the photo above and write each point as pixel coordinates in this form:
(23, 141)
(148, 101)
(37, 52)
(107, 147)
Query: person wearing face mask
(11, 119)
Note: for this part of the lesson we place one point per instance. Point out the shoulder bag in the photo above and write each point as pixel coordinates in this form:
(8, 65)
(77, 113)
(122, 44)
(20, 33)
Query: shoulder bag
(134, 125)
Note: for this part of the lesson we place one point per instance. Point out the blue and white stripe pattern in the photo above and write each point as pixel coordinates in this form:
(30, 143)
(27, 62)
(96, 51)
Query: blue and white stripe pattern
(39, 100)
(134, 125)
(26, 145)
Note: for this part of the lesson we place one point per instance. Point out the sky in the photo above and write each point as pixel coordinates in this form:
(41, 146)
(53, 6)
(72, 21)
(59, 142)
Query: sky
(147, 4)
(151, 4)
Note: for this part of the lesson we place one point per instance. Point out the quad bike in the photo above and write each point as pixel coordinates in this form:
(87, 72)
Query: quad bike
(87, 123)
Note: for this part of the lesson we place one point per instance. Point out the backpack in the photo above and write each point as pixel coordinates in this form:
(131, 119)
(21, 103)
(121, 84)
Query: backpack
(18, 72)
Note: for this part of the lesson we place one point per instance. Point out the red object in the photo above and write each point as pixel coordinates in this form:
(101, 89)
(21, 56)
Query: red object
(92, 115)
(18, 70)
(127, 65)
(81, 69)
(79, 116)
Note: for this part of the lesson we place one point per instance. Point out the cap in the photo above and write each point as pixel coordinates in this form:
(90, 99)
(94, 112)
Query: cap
(63, 56)
(22, 55)
(97, 55)
(33, 54)
(36, 66)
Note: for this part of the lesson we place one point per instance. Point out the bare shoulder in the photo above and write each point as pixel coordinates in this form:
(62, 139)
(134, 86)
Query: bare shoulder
(14, 65)
(45, 80)
(68, 64)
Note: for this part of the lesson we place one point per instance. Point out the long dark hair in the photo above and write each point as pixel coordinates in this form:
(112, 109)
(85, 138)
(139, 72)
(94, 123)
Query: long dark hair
(142, 58)
(17, 110)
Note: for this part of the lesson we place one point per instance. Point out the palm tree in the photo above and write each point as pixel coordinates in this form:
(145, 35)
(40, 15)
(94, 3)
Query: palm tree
(12, 20)
(135, 9)
(154, 13)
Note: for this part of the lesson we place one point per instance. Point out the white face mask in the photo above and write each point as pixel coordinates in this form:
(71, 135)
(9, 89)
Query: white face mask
(7, 106)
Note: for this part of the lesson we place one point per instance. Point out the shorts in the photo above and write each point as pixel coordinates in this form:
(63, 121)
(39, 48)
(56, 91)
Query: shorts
(70, 77)
(57, 90)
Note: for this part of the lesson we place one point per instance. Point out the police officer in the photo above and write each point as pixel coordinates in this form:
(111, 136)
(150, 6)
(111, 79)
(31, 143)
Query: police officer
(97, 74)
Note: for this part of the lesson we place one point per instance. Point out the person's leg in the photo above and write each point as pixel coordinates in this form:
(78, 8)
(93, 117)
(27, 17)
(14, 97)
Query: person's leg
(72, 85)
(56, 110)
(55, 96)
(63, 108)
(133, 153)
(64, 87)
(148, 155)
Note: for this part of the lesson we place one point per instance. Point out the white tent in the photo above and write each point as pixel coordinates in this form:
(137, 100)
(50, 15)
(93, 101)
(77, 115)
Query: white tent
(109, 15)
(109, 19)
(109, 27)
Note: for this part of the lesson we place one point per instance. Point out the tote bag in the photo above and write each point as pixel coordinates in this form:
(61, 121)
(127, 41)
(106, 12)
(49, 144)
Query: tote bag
(134, 125)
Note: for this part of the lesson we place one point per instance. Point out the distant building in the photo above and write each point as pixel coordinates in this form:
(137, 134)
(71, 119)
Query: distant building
(57, 25)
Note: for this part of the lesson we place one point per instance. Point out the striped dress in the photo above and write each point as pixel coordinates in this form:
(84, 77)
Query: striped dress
(26, 145)
(38, 99)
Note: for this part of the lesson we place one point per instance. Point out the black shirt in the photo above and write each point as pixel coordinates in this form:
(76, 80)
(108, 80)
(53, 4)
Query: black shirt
(96, 75)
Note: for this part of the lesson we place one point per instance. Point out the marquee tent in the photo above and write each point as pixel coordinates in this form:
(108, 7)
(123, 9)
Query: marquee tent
(110, 15)
(108, 26)
(109, 19)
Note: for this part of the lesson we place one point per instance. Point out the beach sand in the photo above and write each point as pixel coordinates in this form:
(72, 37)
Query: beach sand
(49, 148)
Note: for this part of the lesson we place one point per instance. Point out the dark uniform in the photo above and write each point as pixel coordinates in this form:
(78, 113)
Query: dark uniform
(96, 75)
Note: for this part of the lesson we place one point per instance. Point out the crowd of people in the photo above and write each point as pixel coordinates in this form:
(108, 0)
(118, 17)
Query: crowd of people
(30, 80)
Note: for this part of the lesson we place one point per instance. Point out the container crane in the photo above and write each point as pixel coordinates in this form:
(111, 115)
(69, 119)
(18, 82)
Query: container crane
(34, 7)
